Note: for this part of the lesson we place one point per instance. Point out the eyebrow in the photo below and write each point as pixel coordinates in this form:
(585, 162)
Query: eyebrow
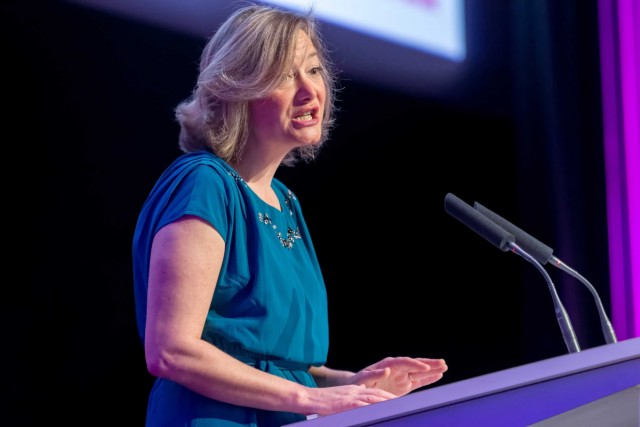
(312, 54)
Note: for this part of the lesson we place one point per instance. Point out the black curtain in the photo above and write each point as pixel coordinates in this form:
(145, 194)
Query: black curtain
(561, 183)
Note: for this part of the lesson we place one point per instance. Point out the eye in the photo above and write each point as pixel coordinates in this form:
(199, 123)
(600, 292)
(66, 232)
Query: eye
(315, 70)
(286, 78)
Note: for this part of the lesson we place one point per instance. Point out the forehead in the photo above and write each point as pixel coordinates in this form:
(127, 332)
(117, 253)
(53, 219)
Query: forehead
(304, 47)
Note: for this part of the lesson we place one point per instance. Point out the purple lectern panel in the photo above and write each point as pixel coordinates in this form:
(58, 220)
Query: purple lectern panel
(514, 397)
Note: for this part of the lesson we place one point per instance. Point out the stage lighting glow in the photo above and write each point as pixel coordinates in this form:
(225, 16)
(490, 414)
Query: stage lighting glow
(434, 26)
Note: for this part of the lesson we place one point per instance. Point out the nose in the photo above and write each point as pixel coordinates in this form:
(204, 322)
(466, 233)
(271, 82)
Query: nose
(306, 88)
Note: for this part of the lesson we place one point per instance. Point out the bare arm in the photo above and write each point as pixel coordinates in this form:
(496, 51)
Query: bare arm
(186, 258)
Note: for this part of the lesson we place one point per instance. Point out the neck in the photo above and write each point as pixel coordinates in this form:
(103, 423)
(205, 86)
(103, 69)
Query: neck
(258, 166)
(258, 173)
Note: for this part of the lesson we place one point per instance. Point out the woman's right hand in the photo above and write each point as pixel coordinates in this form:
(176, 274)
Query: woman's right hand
(331, 400)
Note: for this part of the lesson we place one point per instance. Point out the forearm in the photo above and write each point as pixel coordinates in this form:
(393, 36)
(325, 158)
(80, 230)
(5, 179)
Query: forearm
(203, 368)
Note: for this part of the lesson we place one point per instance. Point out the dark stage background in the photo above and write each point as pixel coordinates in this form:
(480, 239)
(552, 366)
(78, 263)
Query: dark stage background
(90, 115)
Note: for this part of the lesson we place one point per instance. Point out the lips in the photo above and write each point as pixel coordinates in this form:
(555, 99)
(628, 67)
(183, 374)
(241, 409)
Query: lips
(305, 115)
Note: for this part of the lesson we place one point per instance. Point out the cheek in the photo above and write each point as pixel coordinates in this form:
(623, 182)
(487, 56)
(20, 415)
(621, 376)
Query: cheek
(263, 113)
(321, 93)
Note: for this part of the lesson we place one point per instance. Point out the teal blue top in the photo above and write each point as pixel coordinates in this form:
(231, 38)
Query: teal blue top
(269, 307)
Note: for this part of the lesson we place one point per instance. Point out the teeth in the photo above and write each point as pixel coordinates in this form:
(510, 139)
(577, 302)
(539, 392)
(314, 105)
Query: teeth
(305, 117)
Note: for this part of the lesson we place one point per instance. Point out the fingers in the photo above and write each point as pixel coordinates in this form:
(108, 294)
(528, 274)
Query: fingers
(409, 363)
(437, 368)
(401, 375)
(421, 379)
(330, 400)
(434, 363)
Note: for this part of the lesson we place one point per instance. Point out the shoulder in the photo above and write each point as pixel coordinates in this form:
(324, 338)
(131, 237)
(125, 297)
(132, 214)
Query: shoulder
(198, 179)
(200, 167)
(199, 160)
(198, 184)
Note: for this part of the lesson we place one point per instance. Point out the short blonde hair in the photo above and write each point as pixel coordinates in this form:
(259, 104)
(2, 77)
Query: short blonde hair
(244, 60)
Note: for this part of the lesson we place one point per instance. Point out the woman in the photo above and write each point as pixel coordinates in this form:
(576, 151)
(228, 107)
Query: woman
(230, 299)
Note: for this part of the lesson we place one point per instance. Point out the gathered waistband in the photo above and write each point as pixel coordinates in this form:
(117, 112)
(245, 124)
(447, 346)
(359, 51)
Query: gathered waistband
(257, 360)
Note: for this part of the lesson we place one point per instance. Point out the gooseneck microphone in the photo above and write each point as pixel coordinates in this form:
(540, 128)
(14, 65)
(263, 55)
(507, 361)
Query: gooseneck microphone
(479, 223)
(504, 240)
(543, 254)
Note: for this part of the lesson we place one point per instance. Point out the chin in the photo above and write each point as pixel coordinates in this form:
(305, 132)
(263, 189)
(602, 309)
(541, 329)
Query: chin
(315, 141)
(308, 140)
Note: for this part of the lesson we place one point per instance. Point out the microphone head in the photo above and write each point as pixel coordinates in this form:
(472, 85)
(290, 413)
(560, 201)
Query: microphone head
(479, 223)
(538, 250)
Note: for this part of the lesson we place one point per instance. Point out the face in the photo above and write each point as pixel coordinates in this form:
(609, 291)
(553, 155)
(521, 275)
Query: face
(292, 115)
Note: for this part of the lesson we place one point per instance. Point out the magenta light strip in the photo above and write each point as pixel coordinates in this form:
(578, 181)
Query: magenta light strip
(619, 51)
(629, 19)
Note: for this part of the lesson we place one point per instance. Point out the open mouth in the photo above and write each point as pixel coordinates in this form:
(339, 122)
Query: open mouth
(307, 115)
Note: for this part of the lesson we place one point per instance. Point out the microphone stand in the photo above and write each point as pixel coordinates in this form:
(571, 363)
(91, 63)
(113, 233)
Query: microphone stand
(561, 314)
(605, 324)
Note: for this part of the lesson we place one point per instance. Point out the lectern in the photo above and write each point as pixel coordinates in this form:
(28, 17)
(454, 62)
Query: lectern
(599, 386)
